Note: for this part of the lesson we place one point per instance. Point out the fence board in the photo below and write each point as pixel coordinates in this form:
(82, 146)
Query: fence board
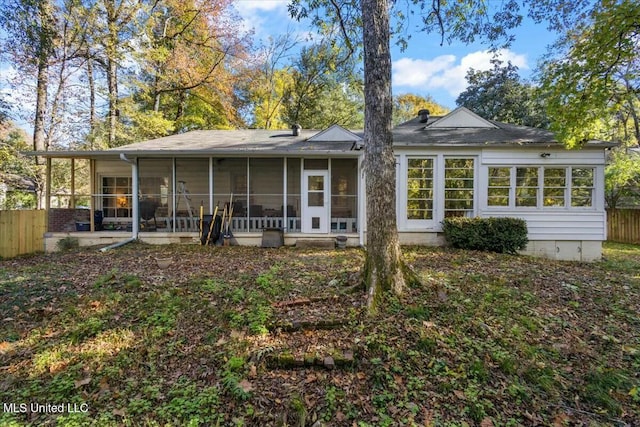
(623, 225)
(22, 232)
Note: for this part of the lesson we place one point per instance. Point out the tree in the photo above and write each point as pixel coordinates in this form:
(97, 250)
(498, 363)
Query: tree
(407, 106)
(17, 171)
(192, 64)
(31, 29)
(499, 94)
(324, 89)
(465, 20)
(622, 179)
(591, 79)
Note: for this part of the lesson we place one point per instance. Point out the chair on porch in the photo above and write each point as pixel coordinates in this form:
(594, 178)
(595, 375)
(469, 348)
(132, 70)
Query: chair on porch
(147, 212)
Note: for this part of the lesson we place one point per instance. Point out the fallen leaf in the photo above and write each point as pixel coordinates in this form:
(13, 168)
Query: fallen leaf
(80, 383)
(253, 371)
(459, 394)
(486, 422)
(119, 412)
(246, 386)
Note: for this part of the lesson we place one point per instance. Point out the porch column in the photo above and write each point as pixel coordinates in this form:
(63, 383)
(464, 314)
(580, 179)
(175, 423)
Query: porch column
(72, 201)
(361, 201)
(135, 209)
(284, 195)
(92, 191)
(174, 199)
(47, 192)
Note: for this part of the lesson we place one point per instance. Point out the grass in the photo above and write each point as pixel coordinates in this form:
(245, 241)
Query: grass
(483, 339)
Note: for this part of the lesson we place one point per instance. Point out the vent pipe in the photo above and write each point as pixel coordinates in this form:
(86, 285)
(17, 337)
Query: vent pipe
(296, 129)
(424, 116)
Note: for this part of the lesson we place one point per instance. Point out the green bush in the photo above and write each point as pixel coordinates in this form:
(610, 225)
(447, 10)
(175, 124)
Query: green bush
(502, 235)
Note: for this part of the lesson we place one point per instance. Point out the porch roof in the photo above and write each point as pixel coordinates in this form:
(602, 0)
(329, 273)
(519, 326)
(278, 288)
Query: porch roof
(242, 142)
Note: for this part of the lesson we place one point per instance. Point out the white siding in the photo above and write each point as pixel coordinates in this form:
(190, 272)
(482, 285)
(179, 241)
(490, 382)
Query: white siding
(559, 226)
(530, 156)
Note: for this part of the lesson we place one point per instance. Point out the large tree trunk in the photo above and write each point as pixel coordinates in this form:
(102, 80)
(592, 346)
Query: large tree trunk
(112, 41)
(383, 265)
(112, 84)
(39, 136)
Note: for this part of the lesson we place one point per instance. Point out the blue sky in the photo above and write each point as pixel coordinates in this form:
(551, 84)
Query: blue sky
(425, 68)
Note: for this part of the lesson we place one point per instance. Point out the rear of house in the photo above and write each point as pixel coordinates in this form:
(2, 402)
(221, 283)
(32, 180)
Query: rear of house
(309, 184)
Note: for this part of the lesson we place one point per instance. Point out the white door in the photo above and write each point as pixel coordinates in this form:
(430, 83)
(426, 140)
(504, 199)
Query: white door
(315, 206)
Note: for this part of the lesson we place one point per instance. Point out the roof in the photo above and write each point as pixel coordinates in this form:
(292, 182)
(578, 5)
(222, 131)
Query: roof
(460, 128)
(463, 127)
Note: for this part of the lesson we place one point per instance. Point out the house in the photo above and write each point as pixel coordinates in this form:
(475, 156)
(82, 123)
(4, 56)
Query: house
(310, 184)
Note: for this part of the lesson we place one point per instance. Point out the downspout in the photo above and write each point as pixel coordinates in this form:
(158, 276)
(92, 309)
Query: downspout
(134, 208)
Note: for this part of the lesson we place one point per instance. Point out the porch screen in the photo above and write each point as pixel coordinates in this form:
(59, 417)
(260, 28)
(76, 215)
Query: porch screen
(230, 177)
(293, 195)
(266, 184)
(156, 191)
(344, 195)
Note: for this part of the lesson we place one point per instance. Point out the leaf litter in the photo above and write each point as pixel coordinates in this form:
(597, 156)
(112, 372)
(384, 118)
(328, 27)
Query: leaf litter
(250, 336)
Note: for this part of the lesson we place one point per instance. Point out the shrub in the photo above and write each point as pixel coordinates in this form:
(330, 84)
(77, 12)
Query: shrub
(68, 243)
(502, 235)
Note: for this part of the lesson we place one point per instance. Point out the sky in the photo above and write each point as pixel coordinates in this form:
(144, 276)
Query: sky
(425, 67)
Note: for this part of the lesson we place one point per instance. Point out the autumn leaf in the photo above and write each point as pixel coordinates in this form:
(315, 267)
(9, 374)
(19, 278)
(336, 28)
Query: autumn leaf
(246, 386)
(486, 422)
(82, 382)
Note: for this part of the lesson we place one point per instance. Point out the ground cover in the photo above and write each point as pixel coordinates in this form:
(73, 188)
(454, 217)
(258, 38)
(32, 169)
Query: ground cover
(258, 337)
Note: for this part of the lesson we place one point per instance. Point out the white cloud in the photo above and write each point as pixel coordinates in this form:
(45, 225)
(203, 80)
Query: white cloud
(260, 15)
(445, 73)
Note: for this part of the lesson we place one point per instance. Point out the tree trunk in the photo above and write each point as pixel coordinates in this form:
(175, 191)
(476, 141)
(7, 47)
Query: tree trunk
(383, 265)
(112, 41)
(92, 98)
(39, 137)
(112, 83)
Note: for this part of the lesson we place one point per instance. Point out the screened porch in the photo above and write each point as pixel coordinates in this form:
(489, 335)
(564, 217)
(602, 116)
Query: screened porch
(258, 193)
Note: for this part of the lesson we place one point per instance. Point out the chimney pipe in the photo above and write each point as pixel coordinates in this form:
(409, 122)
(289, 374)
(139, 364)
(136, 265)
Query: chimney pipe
(424, 116)
(296, 129)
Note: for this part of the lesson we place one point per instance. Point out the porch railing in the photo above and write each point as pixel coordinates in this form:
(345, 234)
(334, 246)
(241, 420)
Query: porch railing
(257, 224)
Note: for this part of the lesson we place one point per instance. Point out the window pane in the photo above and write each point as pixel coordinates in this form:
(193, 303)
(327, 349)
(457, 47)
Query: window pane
(316, 199)
(582, 187)
(554, 186)
(526, 187)
(116, 199)
(499, 186)
(459, 186)
(316, 183)
(420, 189)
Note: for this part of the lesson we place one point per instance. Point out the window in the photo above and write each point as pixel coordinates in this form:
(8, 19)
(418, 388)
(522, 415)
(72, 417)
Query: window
(526, 187)
(582, 187)
(555, 184)
(458, 187)
(420, 189)
(559, 187)
(116, 199)
(499, 187)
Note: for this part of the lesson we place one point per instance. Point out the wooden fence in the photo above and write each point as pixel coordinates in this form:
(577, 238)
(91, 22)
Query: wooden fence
(22, 232)
(623, 225)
